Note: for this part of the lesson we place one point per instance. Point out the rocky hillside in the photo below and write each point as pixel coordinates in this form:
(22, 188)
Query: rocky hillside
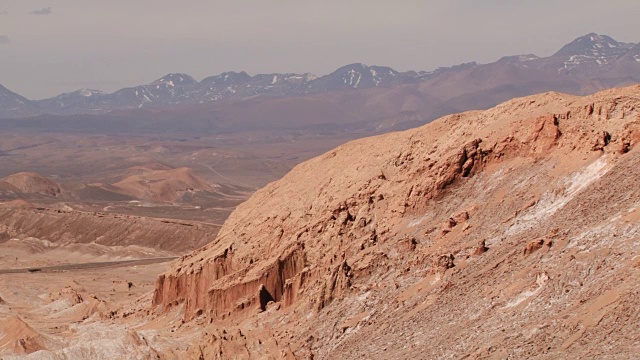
(511, 232)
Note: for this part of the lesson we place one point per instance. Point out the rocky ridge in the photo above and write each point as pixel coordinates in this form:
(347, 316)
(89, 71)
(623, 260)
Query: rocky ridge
(66, 227)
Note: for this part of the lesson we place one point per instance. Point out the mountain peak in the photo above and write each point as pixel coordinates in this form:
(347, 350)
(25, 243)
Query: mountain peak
(88, 92)
(359, 75)
(592, 44)
(518, 58)
(12, 104)
(176, 79)
(354, 66)
(6, 95)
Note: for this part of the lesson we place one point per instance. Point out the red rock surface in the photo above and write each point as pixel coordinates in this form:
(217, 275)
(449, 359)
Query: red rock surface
(511, 232)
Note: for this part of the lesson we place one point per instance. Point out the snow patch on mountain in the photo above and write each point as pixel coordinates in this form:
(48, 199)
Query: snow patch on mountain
(352, 78)
(591, 49)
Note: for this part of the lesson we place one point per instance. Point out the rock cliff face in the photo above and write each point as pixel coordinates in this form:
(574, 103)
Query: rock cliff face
(510, 231)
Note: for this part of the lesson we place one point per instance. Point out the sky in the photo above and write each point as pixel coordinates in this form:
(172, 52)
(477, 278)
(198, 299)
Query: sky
(48, 47)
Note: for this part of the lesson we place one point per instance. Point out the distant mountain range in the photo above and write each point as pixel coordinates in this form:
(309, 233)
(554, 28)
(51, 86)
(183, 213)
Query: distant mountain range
(587, 64)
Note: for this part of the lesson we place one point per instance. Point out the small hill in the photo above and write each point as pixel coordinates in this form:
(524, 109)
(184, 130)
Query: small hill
(163, 185)
(33, 183)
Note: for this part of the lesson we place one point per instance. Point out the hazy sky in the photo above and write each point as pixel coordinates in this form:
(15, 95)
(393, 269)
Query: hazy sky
(53, 46)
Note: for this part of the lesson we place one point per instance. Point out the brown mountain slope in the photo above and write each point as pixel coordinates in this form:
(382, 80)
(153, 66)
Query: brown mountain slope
(30, 183)
(511, 232)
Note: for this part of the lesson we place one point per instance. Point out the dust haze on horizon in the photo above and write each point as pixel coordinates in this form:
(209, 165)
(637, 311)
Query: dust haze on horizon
(50, 47)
